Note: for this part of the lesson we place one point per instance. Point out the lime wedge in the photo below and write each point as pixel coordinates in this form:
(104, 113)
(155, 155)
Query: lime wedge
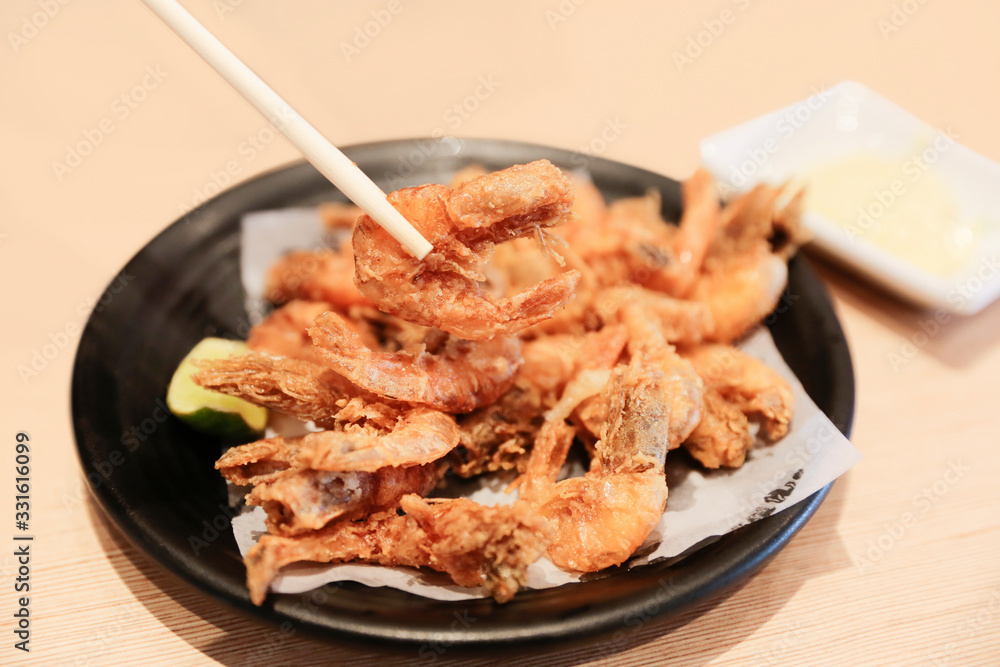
(208, 411)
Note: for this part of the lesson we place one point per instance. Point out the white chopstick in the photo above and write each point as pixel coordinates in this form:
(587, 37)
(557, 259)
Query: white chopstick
(321, 153)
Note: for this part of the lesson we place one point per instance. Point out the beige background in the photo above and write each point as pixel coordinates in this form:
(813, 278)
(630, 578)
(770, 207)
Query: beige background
(558, 78)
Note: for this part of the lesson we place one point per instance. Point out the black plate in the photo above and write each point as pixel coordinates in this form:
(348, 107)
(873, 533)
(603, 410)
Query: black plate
(154, 476)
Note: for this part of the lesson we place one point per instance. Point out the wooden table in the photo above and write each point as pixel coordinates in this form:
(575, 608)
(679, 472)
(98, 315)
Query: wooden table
(111, 129)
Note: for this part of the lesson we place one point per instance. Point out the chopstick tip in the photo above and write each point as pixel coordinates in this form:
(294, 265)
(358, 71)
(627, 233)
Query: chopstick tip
(419, 247)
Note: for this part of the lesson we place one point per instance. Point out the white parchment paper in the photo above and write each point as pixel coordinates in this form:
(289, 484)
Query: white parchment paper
(701, 503)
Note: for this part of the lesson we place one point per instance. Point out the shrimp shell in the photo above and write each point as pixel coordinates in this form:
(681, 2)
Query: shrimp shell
(722, 437)
(321, 275)
(498, 436)
(299, 388)
(283, 332)
(257, 462)
(310, 499)
(740, 292)
(445, 289)
(600, 521)
(752, 386)
(462, 377)
(695, 232)
(421, 435)
(475, 545)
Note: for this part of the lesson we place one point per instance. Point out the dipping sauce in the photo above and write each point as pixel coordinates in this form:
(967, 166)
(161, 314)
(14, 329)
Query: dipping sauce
(904, 207)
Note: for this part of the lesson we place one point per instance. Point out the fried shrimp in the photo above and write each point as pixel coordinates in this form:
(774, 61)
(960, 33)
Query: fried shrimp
(744, 271)
(445, 289)
(621, 242)
(787, 231)
(555, 437)
(508, 344)
(422, 435)
(321, 275)
(475, 545)
(302, 389)
(498, 436)
(690, 244)
(629, 241)
(672, 387)
(723, 268)
(722, 437)
(738, 388)
(653, 404)
(459, 377)
(552, 361)
(757, 390)
(283, 332)
(600, 519)
(259, 462)
(419, 435)
(681, 321)
(754, 219)
(740, 292)
(306, 500)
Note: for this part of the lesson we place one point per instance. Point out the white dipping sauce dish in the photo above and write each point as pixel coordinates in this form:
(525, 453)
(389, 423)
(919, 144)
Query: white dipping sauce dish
(898, 201)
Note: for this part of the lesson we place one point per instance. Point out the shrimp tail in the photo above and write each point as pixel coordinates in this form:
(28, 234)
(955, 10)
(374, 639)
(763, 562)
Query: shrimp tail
(537, 303)
(463, 376)
(422, 435)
